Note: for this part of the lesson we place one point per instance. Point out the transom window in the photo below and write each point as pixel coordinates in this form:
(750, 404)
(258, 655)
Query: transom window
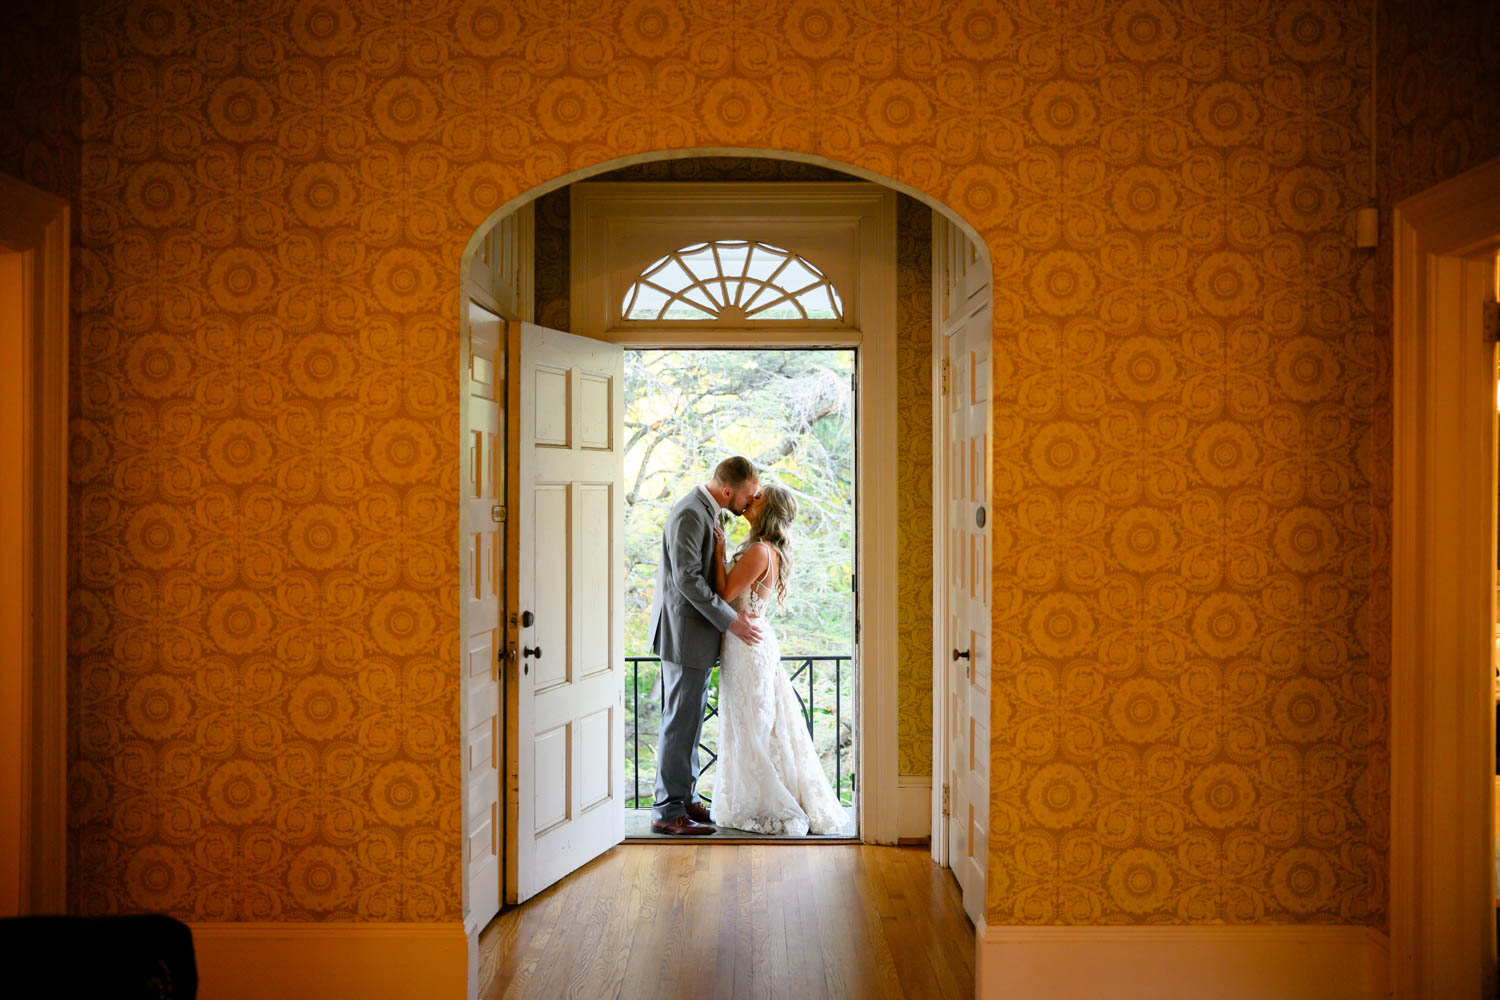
(731, 280)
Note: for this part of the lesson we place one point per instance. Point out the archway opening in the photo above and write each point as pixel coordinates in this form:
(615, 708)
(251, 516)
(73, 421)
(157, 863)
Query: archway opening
(541, 222)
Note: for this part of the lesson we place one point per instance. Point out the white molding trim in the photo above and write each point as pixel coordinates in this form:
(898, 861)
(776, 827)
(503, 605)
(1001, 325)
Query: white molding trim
(1442, 574)
(937, 819)
(914, 792)
(332, 961)
(879, 641)
(1226, 962)
(861, 218)
(35, 224)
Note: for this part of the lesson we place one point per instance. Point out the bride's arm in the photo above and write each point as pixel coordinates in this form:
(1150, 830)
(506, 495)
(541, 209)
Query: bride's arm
(720, 576)
(751, 567)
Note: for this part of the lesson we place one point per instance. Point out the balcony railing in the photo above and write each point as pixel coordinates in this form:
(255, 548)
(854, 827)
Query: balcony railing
(810, 676)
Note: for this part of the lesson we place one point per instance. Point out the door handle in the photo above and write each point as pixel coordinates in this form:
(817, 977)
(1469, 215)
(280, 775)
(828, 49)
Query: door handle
(535, 651)
(960, 656)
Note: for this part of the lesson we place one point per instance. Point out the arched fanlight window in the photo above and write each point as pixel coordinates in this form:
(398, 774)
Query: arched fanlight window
(732, 280)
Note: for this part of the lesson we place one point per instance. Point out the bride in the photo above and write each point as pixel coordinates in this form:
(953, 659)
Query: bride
(770, 779)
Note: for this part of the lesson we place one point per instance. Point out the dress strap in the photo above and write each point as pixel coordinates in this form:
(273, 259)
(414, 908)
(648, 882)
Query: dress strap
(772, 562)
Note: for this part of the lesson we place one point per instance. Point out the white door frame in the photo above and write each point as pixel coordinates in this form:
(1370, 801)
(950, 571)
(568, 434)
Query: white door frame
(939, 822)
(497, 270)
(737, 209)
(34, 225)
(1442, 930)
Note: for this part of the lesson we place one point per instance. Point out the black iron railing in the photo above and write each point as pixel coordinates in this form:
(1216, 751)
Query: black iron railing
(804, 671)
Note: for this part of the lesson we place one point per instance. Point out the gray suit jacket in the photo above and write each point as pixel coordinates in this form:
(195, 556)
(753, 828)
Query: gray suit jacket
(688, 619)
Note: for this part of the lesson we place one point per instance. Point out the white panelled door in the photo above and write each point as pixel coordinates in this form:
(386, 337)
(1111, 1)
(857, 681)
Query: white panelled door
(481, 555)
(966, 348)
(568, 557)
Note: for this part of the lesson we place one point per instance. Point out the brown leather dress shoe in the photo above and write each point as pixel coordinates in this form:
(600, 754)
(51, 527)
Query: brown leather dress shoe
(682, 826)
(698, 812)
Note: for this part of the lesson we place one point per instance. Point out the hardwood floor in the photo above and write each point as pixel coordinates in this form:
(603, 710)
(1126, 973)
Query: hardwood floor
(725, 921)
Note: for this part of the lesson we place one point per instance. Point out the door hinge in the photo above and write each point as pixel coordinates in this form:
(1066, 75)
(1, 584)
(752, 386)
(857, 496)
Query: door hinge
(1492, 322)
(945, 798)
(946, 367)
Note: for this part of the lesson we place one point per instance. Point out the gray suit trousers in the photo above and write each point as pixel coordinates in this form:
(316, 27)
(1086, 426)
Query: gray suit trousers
(677, 767)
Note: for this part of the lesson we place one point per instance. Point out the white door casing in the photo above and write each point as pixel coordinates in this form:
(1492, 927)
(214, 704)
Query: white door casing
(568, 488)
(482, 567)
(849, 231)
(34, 227)
(1442, 842)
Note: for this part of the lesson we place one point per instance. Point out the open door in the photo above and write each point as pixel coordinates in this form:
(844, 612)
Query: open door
(482, 569)
(567, 554)
(967, 353)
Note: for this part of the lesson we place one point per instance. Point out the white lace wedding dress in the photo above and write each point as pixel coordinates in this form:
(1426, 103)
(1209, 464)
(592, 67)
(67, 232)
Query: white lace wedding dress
(770, 779)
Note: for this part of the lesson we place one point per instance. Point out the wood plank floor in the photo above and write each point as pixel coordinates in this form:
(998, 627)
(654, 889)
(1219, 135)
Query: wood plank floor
(726, 921)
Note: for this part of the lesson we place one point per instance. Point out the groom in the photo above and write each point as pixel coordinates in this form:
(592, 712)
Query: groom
(688, 620)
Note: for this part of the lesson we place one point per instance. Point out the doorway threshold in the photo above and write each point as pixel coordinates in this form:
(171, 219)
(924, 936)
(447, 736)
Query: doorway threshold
(638, 831)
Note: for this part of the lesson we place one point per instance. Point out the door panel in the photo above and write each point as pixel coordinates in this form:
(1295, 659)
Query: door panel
(552, 778)
(596, 764)
(594, 565)
(569, 578)
(550, 545)
(482, 492)
(551, 407)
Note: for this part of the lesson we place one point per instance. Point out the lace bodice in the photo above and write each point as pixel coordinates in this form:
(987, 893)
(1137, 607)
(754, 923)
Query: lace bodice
(753, 600)
(756, 598)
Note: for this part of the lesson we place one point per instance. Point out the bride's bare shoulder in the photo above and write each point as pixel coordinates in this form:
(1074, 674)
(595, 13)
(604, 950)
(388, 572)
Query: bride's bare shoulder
(757, 555)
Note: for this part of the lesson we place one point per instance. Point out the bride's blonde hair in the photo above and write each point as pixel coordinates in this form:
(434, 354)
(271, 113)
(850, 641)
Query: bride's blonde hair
(778, 511)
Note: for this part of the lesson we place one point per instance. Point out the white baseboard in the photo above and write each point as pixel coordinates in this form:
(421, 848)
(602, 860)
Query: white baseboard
(331, 961)
(1280, 962)
(914, 798)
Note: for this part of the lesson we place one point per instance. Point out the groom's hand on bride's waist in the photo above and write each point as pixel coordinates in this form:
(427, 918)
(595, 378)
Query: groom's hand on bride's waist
(745, 627)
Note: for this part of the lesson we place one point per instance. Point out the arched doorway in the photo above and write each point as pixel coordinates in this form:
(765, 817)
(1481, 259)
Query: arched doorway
(967, 286)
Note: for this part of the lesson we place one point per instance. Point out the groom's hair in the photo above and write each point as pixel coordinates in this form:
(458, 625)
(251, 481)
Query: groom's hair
(735, 472)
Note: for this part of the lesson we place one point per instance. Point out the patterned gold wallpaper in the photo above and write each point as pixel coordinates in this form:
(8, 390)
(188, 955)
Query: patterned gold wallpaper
(914, 325)
(275, 199)
(914, 486)
(1185, 384)
(39, 75)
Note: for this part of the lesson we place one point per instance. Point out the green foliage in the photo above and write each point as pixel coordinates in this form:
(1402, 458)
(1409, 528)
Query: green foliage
(788, 411)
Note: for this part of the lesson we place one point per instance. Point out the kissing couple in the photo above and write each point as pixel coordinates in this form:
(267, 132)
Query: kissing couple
(770, 779)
